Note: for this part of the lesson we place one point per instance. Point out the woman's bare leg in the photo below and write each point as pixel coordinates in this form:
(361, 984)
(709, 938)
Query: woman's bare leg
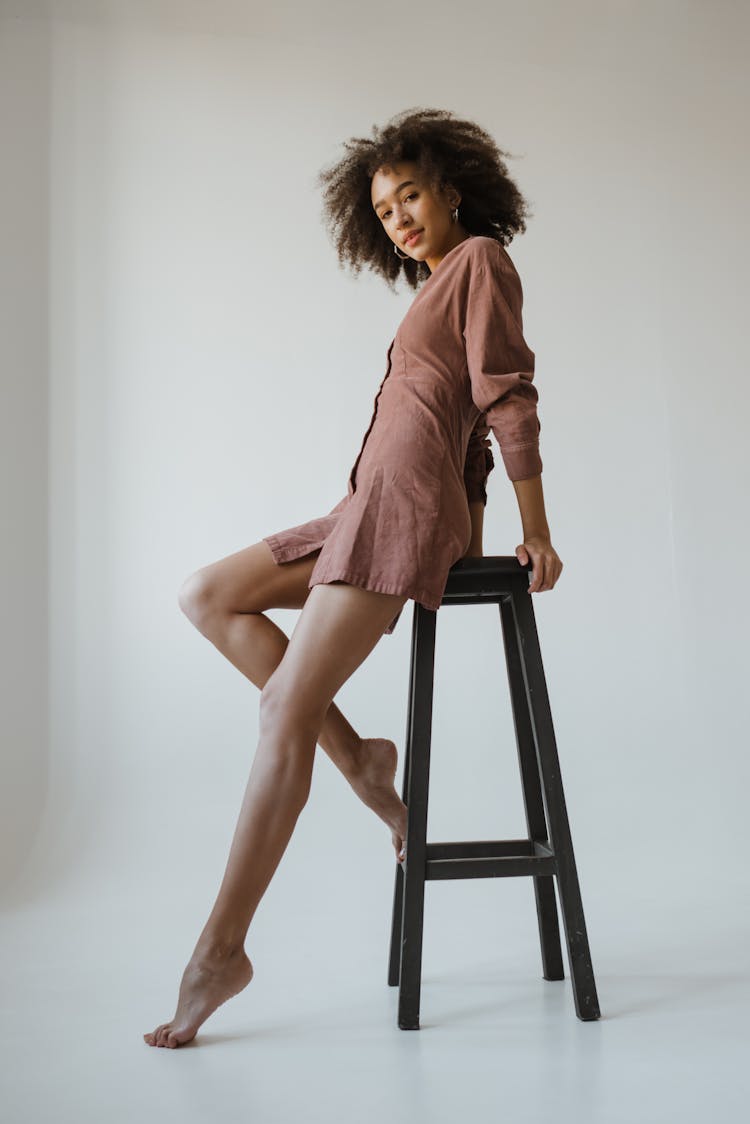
(224, 602)
(339, 626)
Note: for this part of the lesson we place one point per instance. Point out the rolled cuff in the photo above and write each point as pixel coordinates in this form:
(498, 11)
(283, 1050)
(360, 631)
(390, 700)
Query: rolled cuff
(523, 462)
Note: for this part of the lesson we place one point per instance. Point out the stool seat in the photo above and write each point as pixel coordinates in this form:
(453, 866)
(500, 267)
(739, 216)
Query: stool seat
(547, 854)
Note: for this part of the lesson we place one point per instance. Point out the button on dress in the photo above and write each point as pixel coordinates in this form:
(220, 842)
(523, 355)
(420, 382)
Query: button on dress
(457, 367)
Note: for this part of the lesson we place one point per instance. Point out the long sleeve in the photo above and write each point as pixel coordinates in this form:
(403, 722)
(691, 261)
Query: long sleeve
(501, 365)
(479, 462)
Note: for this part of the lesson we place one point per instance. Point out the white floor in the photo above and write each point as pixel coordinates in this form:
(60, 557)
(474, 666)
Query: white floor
(314, 1036)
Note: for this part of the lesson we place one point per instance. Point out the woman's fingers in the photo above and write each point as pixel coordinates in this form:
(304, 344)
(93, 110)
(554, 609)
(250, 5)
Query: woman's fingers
(545, 570)
(546, 566)
(537, 574)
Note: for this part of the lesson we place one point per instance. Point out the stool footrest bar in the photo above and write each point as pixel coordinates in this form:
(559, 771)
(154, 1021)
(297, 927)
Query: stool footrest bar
(506, 858)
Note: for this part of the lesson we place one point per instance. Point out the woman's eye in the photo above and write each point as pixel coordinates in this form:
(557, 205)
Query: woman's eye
(409, 196)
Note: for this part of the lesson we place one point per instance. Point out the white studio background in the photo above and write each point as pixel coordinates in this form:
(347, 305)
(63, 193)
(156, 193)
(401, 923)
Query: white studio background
(185, 369)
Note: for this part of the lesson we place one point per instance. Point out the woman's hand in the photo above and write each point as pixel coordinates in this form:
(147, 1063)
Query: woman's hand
(547, 567)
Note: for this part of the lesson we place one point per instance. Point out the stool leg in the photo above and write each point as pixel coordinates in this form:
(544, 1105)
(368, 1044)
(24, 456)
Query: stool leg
(417, 775)
(579, 956)
(544, 884)
(394, 952)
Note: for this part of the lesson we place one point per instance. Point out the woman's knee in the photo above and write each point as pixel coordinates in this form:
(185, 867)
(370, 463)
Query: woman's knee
(284, 703)
(197, 596)
(249, 581)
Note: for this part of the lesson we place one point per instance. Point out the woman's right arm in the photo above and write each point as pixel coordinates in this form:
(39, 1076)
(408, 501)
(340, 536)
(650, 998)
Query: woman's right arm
(476, 511)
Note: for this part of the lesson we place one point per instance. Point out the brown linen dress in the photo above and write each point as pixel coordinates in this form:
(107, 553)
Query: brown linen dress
(457, 366)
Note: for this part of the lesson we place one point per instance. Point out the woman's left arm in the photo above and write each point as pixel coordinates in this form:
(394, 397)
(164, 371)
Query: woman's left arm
(536, 546)
(501, 371)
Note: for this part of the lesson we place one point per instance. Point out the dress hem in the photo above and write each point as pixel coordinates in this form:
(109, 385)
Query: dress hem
(289, 553)
(336, 573)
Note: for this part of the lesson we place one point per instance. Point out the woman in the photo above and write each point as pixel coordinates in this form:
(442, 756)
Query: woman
(458, 365)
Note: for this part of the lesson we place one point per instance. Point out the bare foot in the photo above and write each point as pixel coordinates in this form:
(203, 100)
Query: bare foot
(374, 785)
(208, 981)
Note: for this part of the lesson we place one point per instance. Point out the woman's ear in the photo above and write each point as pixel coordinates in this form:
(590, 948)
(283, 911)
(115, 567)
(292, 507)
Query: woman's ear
(453, 195)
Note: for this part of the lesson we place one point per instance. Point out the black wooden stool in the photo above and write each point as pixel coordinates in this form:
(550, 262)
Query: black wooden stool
(548, 852)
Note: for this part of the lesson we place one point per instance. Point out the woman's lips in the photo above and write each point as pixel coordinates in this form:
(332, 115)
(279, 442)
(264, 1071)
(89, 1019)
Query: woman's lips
(413, 238)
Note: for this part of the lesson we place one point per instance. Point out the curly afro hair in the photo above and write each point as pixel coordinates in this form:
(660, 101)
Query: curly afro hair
(446, 149)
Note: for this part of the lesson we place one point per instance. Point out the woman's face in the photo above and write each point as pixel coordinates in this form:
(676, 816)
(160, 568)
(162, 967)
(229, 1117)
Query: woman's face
(406, 204)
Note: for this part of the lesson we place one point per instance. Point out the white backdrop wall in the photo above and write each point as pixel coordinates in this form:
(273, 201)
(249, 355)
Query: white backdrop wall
(186, 369)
